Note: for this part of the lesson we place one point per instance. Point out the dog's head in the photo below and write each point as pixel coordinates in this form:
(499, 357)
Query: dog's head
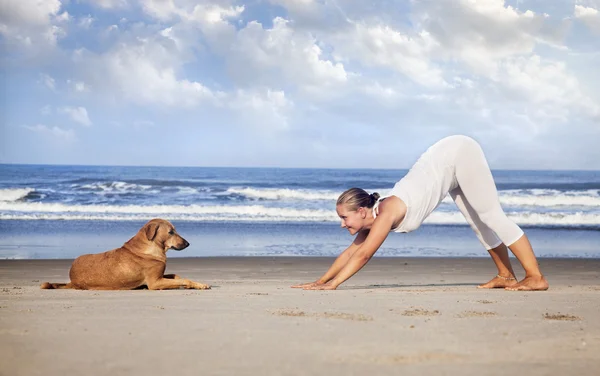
(163, 233)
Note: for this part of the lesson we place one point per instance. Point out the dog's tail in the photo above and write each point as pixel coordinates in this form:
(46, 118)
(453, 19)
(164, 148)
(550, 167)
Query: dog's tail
(50, 286)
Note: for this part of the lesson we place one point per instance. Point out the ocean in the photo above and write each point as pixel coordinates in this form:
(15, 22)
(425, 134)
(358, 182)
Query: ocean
(51, 211)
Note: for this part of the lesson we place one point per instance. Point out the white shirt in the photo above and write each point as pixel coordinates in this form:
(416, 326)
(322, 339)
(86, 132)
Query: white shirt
(427, 182)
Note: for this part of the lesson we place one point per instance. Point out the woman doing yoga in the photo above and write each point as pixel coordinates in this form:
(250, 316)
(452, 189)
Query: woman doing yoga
(454, 165)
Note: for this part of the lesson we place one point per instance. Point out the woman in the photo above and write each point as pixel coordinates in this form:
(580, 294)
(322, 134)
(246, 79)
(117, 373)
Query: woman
(454, 165)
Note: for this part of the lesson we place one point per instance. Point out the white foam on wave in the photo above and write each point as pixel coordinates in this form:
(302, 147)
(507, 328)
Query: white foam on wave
(145, 217)
(186, 190)
(199, 211)
(526, 218)
(282, 194)
(547, 198)
(113, 187)
(551, 201)
(290, 194)
(14, 194)
(257, 213)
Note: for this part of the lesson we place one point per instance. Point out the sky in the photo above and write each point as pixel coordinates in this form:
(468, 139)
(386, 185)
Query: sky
(298, 83)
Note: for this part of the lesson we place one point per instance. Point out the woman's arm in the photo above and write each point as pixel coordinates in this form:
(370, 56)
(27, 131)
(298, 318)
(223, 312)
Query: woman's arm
(339, 263)
(364, 252)
(343, 258)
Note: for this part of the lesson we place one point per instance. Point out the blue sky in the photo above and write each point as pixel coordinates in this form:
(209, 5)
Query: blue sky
(299, 83)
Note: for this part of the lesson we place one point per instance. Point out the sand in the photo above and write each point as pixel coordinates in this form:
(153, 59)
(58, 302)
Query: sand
(409, 316)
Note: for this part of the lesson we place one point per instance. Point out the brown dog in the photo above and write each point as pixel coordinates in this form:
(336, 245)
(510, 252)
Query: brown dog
(140, 261)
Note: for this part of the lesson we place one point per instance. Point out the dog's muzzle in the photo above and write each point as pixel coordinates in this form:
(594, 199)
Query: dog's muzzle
(182, 245)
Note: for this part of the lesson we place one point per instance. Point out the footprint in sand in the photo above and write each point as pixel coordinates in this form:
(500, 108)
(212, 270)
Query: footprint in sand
(11, 291)
(420, 312)
(326, 315)
(561, 317)
(418, 358)
(476, 314)
(289, 312)
(424, 358)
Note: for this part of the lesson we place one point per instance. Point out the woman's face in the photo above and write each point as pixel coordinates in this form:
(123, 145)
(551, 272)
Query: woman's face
(351, 219)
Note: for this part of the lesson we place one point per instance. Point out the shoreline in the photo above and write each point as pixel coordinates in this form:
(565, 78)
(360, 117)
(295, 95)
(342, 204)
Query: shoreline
(393, 267)
(398, 315)
(69, 239)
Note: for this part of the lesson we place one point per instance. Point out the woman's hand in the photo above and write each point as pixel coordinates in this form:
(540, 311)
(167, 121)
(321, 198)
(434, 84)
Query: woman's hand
(324, 286)
(307, 285)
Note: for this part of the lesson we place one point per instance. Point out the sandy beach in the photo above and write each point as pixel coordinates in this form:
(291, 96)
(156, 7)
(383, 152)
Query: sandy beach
(410, 316)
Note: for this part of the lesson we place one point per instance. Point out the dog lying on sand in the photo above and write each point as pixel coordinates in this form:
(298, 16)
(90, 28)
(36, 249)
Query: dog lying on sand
(141, 261)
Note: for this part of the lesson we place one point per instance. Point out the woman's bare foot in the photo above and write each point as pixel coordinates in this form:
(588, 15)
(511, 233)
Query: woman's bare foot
(499, 282)
(532, 283)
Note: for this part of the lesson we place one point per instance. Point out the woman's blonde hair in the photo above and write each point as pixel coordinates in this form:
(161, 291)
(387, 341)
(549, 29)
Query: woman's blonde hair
(355, 198)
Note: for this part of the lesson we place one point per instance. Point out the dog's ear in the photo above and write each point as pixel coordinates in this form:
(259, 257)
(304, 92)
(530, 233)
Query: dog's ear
(151, 230)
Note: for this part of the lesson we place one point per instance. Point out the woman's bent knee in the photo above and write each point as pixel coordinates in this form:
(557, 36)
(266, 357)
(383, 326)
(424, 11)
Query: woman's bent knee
(507, 230)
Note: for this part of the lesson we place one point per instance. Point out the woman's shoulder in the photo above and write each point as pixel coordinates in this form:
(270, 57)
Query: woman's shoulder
(393, 205)
(389, 201)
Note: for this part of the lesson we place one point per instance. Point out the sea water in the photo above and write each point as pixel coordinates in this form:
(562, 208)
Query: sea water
(64, 211)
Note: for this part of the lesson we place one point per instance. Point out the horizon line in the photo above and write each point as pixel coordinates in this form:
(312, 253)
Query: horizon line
(273, 167)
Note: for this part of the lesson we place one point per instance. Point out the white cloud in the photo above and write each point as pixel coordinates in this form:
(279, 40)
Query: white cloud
(264, 108)
(48, 81)
(381, 45)
(590, 16)
(31, 24)
(526, 97)
(479, 33)
(56, 132)
(187, 10)
(86, 21)
(483, 50)
(77, 114)
(145, 66)
(163, 10)
(109, 4)
(196, 25)
(279, 57)
(418, 70)
(211, 14)
(581, 11)
(143, 72)
(382, 92)
(547, 86)
(589, 3)
(77, 86)
(63, 17)
(255, 55)
(321, 16)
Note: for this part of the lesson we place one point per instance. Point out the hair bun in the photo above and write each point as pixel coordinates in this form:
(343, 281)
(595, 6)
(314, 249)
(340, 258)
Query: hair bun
(374, 197)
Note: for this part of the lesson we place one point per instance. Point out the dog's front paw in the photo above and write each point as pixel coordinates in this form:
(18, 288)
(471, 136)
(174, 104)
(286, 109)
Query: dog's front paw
(201, 286)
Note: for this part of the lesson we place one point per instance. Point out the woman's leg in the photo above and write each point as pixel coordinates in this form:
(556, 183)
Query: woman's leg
(506, 276)
(491, 242)
(534, 280)
(476, 182)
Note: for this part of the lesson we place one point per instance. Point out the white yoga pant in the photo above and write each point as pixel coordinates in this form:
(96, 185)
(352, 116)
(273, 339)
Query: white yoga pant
(477, 198)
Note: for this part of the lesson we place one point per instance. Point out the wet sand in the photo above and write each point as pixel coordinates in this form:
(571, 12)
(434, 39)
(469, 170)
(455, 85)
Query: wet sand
(409, 316)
